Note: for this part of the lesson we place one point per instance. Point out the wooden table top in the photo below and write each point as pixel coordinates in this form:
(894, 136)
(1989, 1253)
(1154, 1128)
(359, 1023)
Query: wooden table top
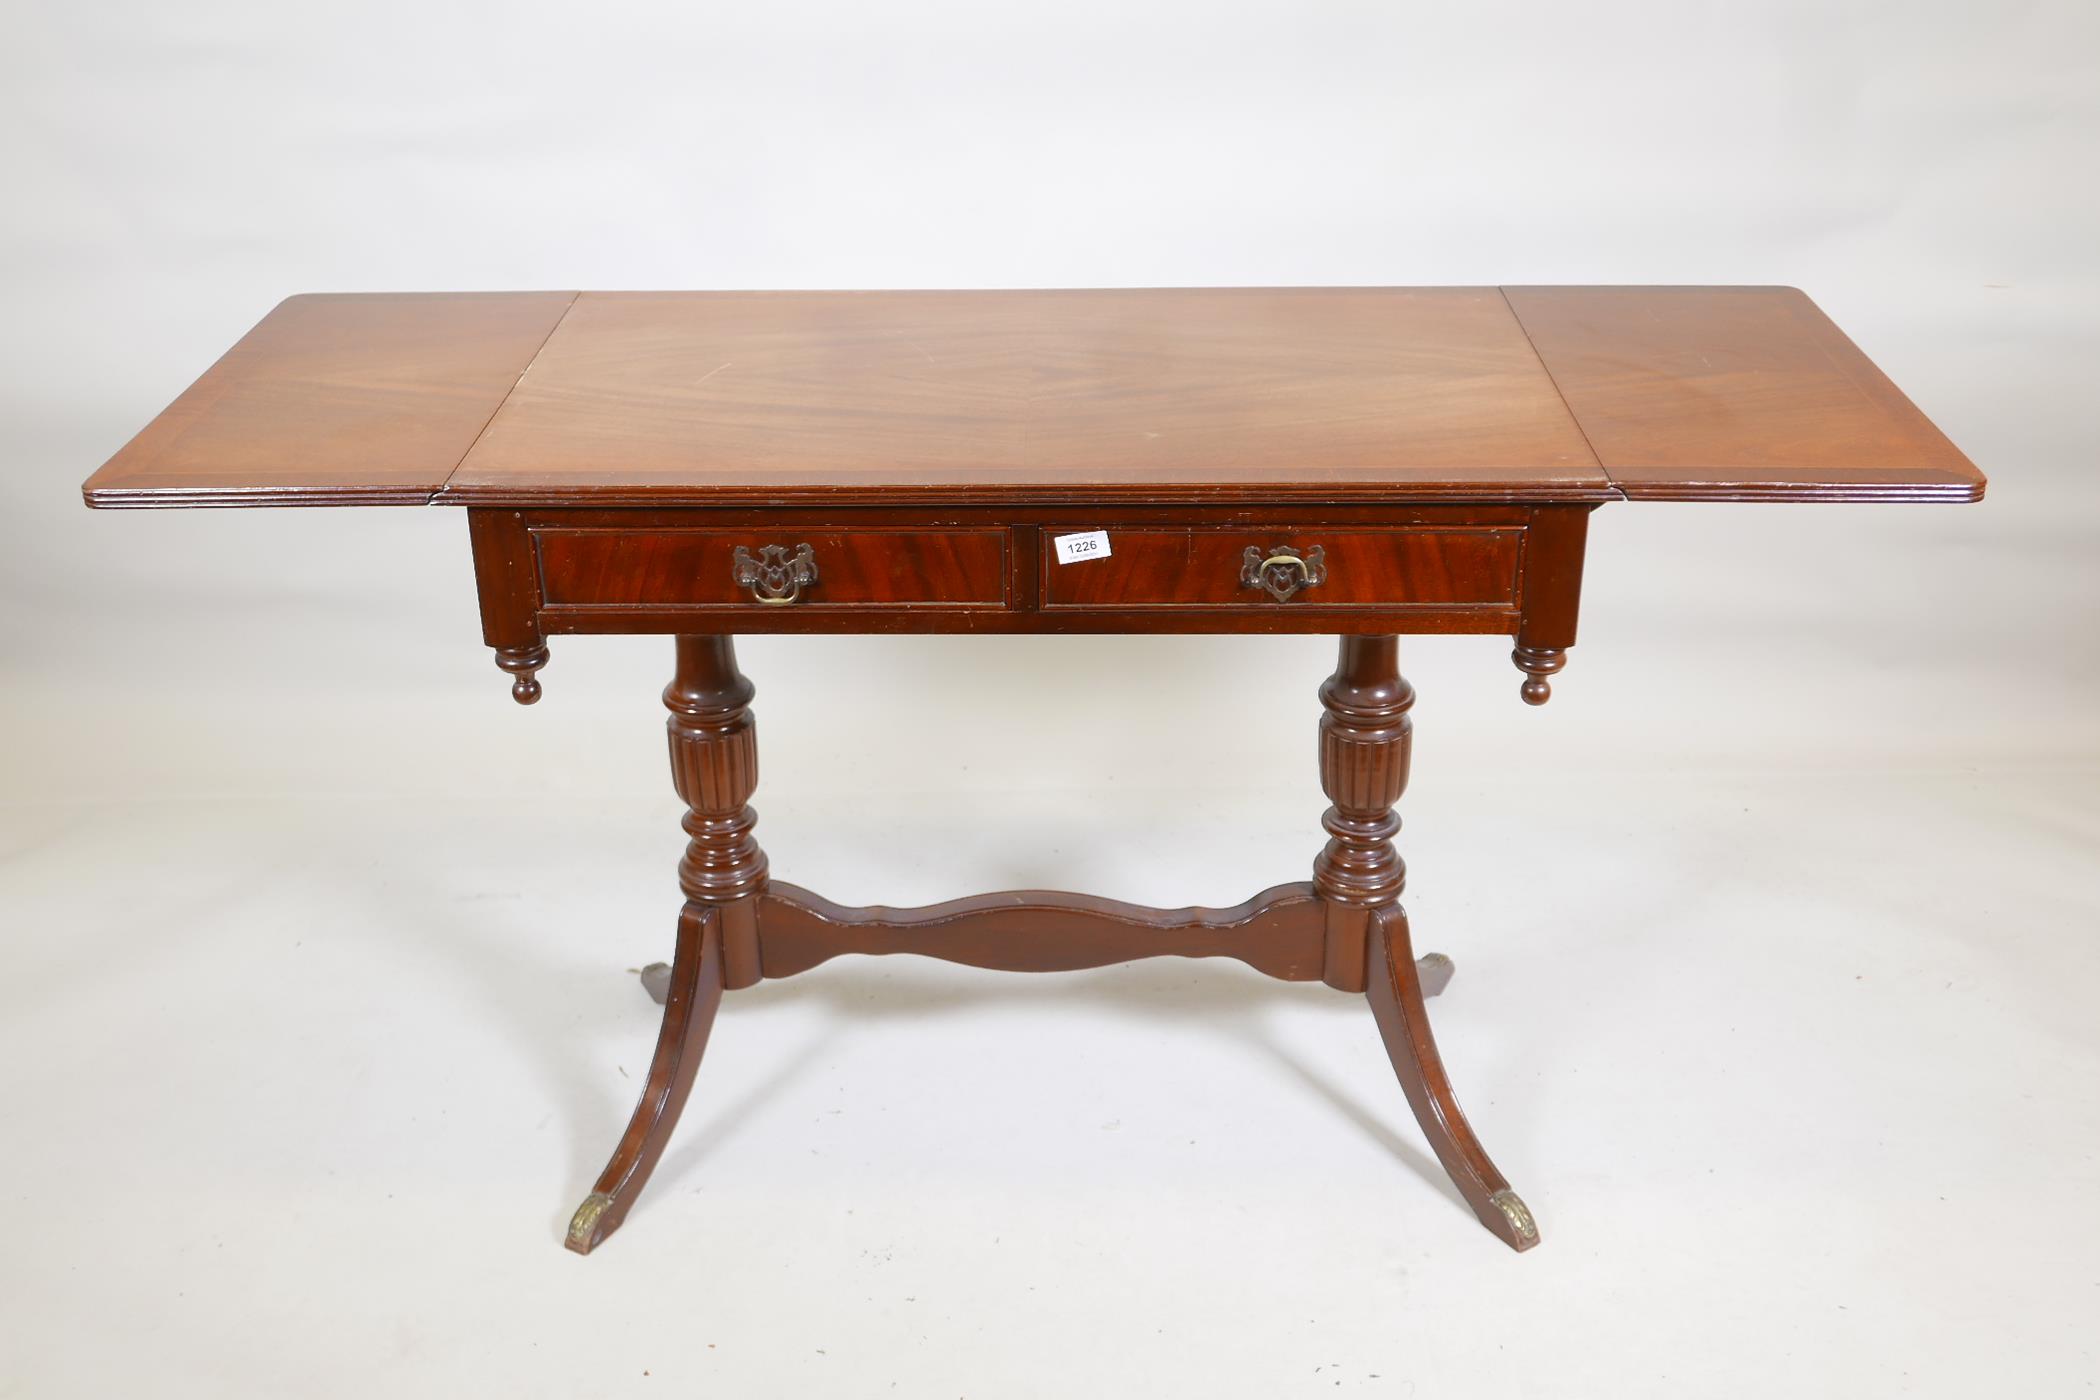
(1358, 395)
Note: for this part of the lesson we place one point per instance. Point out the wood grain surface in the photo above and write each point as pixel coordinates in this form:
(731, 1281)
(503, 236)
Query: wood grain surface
(687, 397)
(337, 400)
(1363, 568)
(1429, 568)
(1735, 393)
(855, 568)
(1340, 395)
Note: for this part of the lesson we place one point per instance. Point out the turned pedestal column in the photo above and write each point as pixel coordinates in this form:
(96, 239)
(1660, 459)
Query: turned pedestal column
(714, 766)
(1365, 738)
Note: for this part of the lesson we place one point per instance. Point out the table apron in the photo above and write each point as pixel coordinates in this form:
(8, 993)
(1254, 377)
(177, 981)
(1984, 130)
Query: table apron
(1458, 568)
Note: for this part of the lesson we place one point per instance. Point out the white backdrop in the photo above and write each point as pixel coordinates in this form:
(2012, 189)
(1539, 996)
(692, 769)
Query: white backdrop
(234, 729)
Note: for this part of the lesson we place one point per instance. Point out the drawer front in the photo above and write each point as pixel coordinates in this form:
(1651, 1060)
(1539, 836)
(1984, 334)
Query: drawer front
(750, 569)
(1355, 568)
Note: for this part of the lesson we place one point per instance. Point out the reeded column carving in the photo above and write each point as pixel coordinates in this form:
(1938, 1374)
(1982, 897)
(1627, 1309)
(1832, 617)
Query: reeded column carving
(714, 766)
(1365, 742)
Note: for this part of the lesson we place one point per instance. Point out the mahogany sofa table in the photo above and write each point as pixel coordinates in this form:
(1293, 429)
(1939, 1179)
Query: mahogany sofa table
(1359, 462)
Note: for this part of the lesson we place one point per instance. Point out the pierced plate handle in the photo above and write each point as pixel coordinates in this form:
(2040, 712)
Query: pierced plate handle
(775, 576)
(1283, 571)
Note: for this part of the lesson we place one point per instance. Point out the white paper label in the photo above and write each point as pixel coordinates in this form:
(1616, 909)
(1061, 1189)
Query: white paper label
(1073, 548)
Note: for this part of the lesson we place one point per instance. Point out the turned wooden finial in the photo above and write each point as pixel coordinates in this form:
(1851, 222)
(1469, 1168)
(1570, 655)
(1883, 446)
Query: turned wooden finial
(523, 663)
(1537, 663)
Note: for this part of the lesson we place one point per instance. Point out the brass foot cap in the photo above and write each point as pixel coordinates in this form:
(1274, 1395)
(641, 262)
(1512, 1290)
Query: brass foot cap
(1523, 1229)
(583, 1226)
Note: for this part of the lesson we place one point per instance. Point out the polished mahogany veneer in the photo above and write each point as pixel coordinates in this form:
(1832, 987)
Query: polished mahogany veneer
(1511, 570)
(860, 567)
(1363, 462)
(1358, 394)
(337, 400)
(1383, 570)
(1734, 393)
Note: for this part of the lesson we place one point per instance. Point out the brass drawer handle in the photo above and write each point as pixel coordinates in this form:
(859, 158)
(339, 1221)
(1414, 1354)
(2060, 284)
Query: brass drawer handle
(1282, 572)
(776, 576)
